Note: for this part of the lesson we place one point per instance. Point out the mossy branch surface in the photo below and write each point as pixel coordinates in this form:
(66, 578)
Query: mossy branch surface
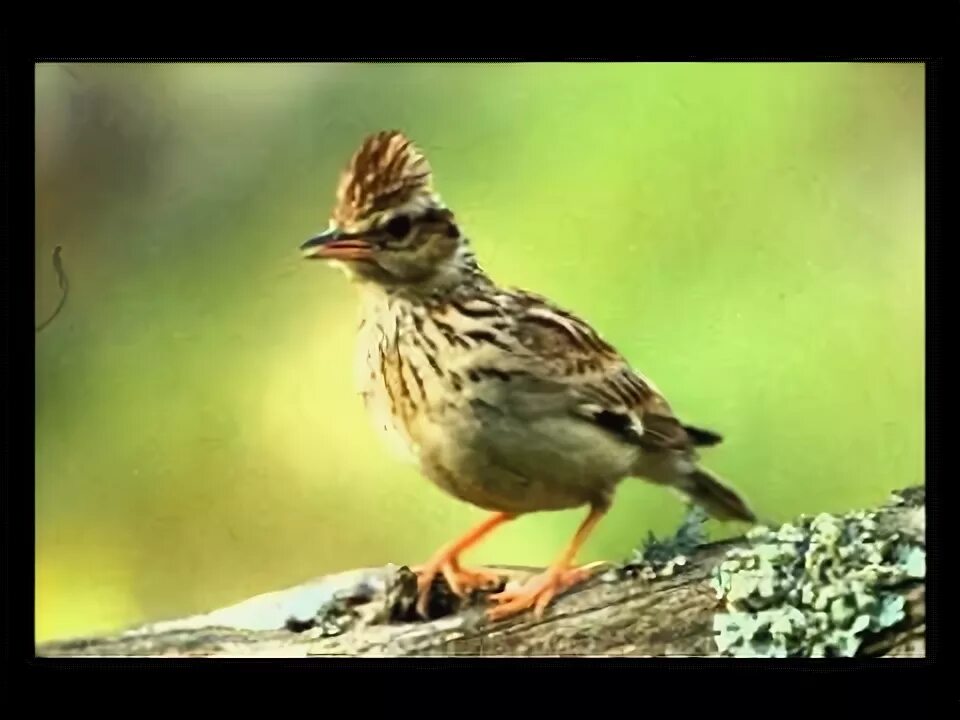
(851, 584)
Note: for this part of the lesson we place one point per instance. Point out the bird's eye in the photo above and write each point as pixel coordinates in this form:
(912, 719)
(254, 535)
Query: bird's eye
(398, 226)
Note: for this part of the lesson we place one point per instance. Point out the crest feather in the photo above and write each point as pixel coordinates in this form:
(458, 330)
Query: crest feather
(387, 170)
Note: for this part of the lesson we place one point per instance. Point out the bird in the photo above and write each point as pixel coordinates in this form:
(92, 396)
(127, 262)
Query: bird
(501, 398)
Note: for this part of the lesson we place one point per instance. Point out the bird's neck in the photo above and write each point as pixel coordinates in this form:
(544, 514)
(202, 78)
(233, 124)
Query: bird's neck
(379, 299)
(462, 277)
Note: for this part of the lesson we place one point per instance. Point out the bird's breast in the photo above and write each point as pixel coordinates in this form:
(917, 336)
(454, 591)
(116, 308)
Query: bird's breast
(417, 379)
(378, 379)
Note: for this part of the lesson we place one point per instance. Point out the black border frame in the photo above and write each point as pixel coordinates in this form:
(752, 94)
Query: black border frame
(910, 679)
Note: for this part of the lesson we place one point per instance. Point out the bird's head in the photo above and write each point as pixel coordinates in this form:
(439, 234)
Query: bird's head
(389, 226)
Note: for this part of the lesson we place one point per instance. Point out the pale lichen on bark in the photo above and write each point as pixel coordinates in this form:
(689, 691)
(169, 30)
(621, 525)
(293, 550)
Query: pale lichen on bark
(659, 608)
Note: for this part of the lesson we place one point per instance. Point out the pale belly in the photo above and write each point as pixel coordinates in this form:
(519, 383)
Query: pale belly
(517, 465)
(502, 463)
(470, 444)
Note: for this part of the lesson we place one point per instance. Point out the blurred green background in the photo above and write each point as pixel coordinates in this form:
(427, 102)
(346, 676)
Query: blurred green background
(750, 236)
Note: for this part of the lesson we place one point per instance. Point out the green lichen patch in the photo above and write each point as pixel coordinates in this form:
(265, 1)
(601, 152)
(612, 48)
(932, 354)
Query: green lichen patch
(814, 588)
(661, 558)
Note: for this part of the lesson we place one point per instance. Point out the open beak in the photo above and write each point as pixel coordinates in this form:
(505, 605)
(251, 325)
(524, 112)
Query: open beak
(337, 245)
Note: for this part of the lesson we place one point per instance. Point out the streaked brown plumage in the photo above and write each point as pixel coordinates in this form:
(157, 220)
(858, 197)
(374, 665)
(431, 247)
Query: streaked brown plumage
(503, 399)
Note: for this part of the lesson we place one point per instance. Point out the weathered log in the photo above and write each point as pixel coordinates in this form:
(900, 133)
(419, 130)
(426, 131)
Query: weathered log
(369, 612)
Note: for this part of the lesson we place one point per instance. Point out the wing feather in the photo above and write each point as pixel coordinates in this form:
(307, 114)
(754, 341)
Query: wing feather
(603, 388)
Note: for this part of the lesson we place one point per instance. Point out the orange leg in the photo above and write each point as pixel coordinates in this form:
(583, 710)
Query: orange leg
(538, 592)
(446, 561)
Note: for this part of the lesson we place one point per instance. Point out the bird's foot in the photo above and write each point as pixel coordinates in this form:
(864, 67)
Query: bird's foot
(461, 580)
(537, 592)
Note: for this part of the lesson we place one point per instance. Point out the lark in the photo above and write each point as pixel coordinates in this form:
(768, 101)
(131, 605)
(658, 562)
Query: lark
(500, 397)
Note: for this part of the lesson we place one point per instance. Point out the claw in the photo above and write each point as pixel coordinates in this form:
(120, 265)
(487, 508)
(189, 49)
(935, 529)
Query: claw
(446, 561)
(536, 593)
(462, 581)
(540, 590)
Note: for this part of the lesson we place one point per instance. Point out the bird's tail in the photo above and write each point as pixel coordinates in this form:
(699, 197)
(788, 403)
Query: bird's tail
(719, 500)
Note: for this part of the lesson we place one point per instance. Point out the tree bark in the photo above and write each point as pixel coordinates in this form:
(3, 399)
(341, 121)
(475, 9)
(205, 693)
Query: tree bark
(663, 616)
